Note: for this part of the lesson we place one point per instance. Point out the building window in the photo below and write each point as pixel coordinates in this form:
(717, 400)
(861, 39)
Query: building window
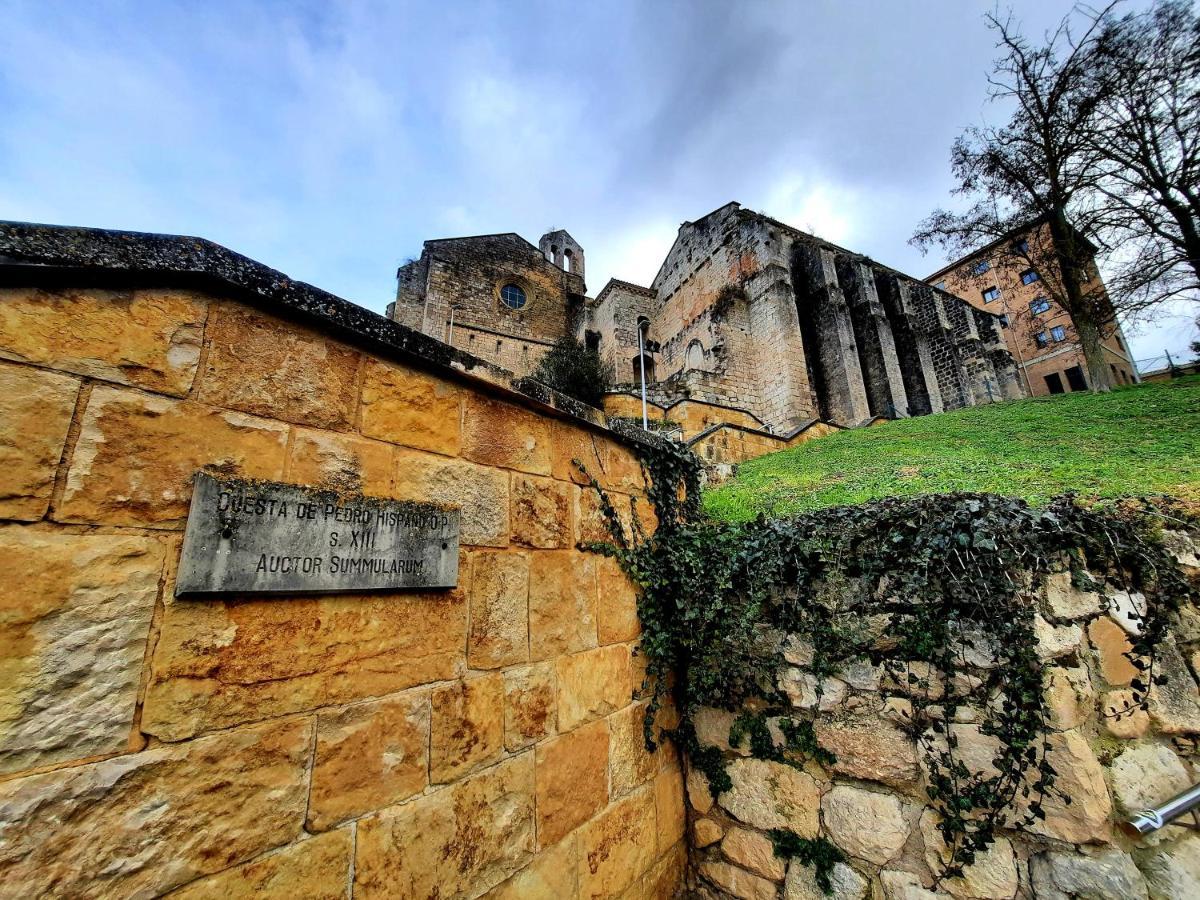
(1075, 378)
(1041, 339)
(1003, 321)
(980, 267)
(1058, 333)
(1040, 305)
(1054, 383)
(591, 340)
(941, 285)
(637, 368)
(1022, 247)
(992, 293)
(1029, 276)
(512, 296)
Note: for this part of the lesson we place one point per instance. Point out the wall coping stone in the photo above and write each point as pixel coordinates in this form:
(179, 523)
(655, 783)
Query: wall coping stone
(40, 255)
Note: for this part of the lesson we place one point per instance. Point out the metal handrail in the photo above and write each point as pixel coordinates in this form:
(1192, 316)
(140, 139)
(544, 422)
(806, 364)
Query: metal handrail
(1149, 820)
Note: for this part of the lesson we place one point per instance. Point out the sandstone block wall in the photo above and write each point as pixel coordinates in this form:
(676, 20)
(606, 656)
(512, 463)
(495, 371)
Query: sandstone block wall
(481, 741)
(871, 802)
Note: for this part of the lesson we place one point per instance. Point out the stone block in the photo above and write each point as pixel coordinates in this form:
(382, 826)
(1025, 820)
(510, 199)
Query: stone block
(1111, 644)
(459, 841)
(868, 747)
(148, 338)
(1066, 602)
(699, 796)
(753, 850)
(316, 869)
(1081, 778)
(466, 727)
(35, 413)
(706, 832)
(1121, 718)
(261, 365)
(570, 442)
(1062, 875)
(665, 879)
(624, 470)
(572, 781)
(480, 493)
(737, 882)
(340, 462)
(617, 847)
(630, 763)
(504, 435)
(137, 454)
(218, 663)
(562, 603)
(907, 886)
(368, 756)
(591, 525)
(668, 806)
(530, 708)
(1069, 695)
(76, 614)
(141, 824)
(616, 611)
(1174, 707)
(553, 875)
(409, 408)
(864, 824)
(712, 730)
(499, 630)
(1172, 871)
(768, 794)
(1146, 775)
(592, 684)
(993, 875)
(845, 883)
(1054, 641)
(541, 512)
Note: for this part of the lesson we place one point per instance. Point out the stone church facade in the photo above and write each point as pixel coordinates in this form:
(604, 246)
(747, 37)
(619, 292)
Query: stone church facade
(750, 326)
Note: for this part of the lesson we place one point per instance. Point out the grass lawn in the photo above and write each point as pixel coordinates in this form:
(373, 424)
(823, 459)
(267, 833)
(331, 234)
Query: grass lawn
(1143, 439)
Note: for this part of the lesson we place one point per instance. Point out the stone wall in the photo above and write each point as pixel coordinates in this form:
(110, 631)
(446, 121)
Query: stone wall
(480, 741)
(871, 802)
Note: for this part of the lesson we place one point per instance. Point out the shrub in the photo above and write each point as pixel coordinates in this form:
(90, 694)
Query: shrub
(572, 369)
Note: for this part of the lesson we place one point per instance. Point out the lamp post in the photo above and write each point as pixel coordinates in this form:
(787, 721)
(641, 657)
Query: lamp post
(642, 364)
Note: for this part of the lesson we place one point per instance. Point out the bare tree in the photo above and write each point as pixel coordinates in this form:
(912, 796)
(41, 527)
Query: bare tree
(1039, 169)
(1146, 77)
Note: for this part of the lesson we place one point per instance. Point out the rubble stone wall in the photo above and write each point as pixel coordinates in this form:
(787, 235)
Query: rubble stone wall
(480, 741)
(871, 802)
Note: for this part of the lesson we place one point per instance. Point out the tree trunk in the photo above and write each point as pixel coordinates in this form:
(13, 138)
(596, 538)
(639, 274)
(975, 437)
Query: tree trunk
(1082, 309)
(1090, 337)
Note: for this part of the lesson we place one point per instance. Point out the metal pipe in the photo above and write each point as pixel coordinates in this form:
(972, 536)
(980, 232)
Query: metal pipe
(1149, 820)
(642, 363)
(450, 332)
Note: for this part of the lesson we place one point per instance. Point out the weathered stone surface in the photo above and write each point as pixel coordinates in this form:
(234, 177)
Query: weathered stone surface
(220, 663)
(261, 365)
(706, 832)
(591, 525)
(1174, 707)
(861, 675)
(572, 780)
(136, 455)
(367, 757)
(712, 729)
(1172, 871)
(1080, 777)
(698, 794)
(459, 841)
(865, 824)
(928, 685)
(571, 443)
(907, 886)
(771, 795)
(541, 512)
(845, 883)
(141, 824)
(630, 763)
(149, 339)
(35, 413)
(1121, 718)
(805, 692)
(562, 603)
(993, 875)
(499, 630)
(76, 613)
(592, 684)
(1145, 775)
(530, 705)
(616, 611)
(665, 878)
(1069, 696)
(1111, 645)
(500, 434)
(318, 868)
(754, 851)
(617, 846)
(552, 875)
(1066, 602)
(340, 462)
(410, 408)
(1054, 641)
(480, 493)
(1128, 610)
(466, 727)
(1104, 875)
(668, 808)
(868, 747)
(738, 882)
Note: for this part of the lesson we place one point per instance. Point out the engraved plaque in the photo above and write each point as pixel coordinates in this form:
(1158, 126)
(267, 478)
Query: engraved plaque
(261, 536)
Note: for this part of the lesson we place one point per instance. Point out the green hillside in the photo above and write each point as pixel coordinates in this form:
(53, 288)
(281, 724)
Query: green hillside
(1143, 439)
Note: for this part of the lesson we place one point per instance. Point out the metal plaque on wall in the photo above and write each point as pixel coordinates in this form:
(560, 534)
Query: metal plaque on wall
(260, 536)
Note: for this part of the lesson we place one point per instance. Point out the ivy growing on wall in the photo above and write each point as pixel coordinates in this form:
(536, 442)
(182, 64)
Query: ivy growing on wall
(934, 590)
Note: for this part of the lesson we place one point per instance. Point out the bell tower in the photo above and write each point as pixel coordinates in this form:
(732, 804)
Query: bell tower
(561, 249)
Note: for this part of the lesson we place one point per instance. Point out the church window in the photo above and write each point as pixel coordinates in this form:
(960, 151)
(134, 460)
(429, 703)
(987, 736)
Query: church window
(512, 296)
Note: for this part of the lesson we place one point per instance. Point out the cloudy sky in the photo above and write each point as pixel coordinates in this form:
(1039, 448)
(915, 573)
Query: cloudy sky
(328, 139)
